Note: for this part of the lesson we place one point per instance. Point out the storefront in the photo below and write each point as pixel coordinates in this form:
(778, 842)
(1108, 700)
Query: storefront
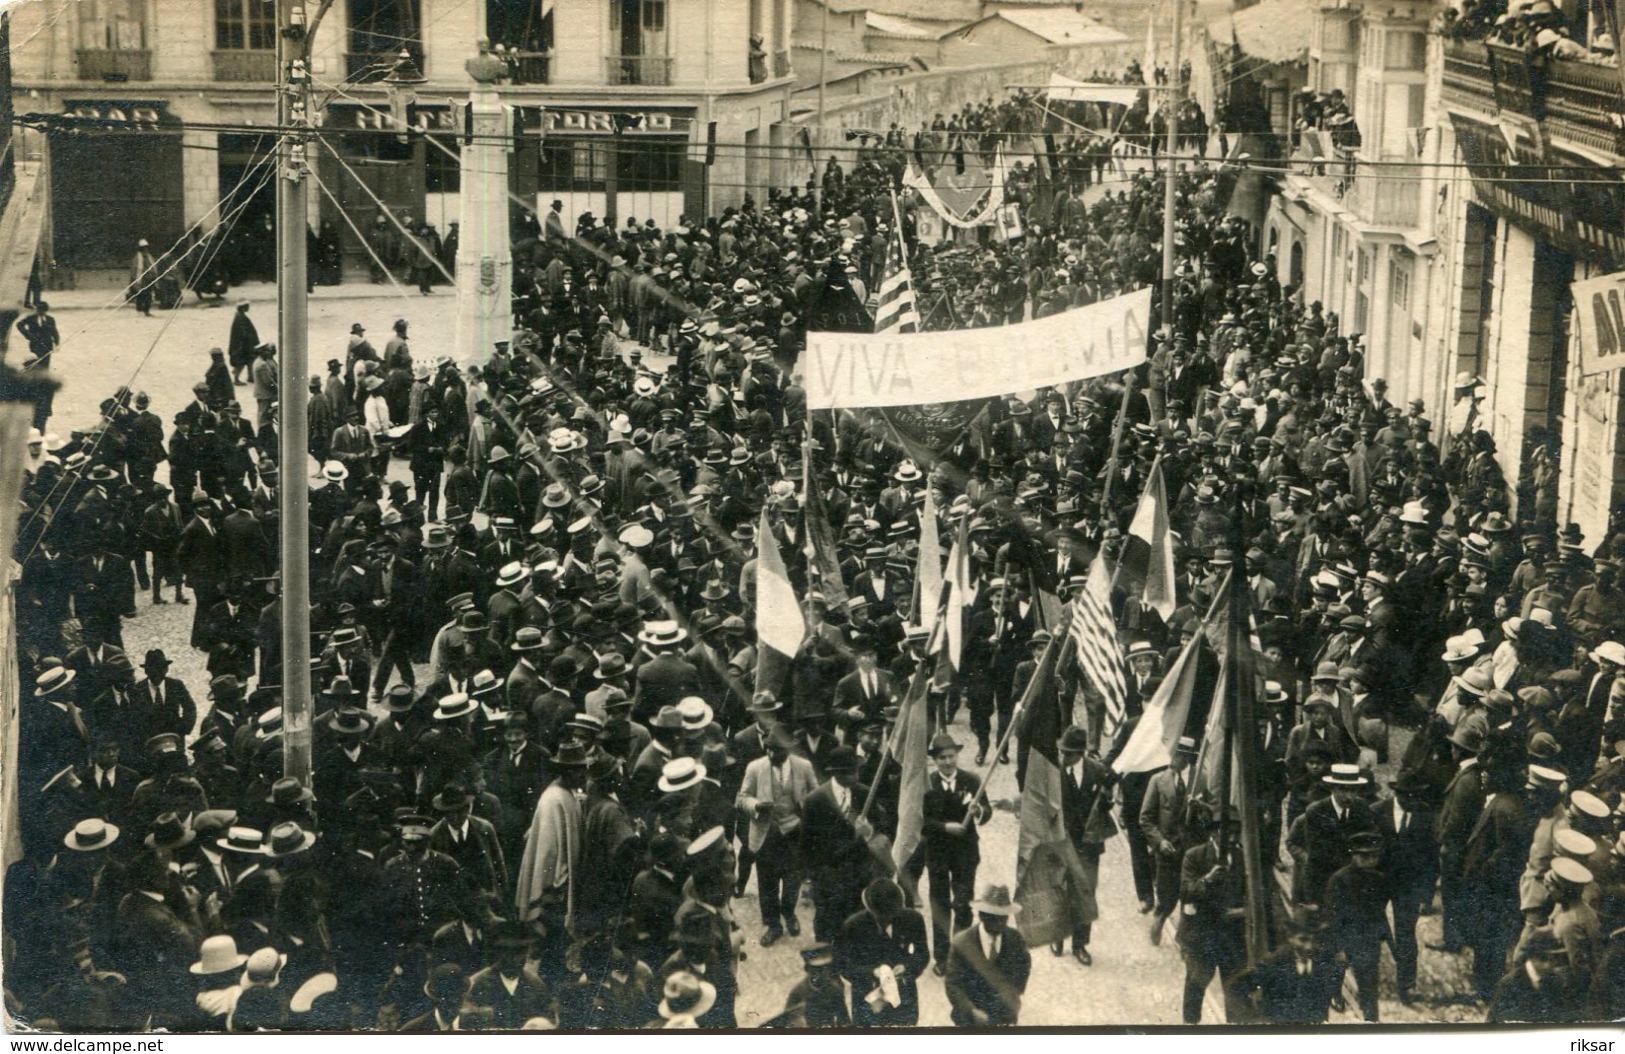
(109, 190)
(612, 162)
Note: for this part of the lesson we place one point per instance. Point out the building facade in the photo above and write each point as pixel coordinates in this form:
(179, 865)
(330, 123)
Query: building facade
(1536, 207)
(1355, 227)
(645, 108)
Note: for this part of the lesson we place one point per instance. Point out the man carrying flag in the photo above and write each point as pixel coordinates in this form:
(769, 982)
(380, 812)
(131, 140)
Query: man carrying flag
(953, 808)
(1086, 816)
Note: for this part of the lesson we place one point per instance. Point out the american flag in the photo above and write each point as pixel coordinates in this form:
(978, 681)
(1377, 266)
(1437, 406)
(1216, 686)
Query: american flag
(1096, 636)
(895, 311)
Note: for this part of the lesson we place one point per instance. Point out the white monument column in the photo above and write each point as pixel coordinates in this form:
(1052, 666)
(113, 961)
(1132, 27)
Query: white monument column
(484, 262)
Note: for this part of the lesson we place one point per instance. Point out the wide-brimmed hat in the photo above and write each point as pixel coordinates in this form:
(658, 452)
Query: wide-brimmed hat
(53, 680)
(451, 798)
(457, 704)
(994, 900)
(1459, 648)
(249, 841)
(679, 774)
(764, 702)
(349, 721)
(288, 791)
(217, 955)
(169, 831)
(398, 700)
(695, 712)
(843, 759)
(527, 638)
(570, 754)
(686, 996)
(510, 574)
(1341, 775)
(1609, 651)
(90, 835)
(662, 633)
(288, 839)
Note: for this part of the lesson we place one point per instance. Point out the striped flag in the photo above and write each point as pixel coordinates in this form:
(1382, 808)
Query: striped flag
(1096, 636)
(896, 311)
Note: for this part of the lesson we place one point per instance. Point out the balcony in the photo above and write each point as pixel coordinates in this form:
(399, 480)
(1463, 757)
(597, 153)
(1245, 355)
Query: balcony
(240, 65)
(531, 67)
(781, 64)
(1580, 102)
(1389, 196)
(367, 67)
(648, 70)
(102, 64)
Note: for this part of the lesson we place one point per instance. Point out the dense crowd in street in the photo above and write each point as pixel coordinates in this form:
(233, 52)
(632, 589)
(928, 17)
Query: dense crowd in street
(547, 772)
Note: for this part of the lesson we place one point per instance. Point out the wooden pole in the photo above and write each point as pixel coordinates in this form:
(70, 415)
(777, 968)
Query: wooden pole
(1117, 443)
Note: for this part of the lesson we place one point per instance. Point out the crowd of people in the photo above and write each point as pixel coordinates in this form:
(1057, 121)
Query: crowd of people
(552, 759)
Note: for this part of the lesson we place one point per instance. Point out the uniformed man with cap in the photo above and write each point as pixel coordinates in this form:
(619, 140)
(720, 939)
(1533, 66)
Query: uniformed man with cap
(1213, 926)
(952, 809)
(1357, 900)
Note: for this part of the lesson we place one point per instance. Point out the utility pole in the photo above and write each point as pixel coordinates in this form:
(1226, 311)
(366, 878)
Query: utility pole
(293, 334)
(823, 85)
(1169, 195)
(484, 255)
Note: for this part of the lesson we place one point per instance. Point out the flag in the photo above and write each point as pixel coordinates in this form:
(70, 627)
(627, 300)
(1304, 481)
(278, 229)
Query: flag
(928, 572)
(1151, 746)
(909, 746)
(1146, 564)
(1044, 854)
(896, 311)
(820, 538)
(1096, 636)
(780, 624)
(961, 595)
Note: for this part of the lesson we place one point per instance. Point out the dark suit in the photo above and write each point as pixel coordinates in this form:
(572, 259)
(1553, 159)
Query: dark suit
(202, 561)
(863, 945)
(1212, 935)
(951, 859)
(652, 905)
(1411, 862)
(531, 998)
(838, 861)
(152, 947)
(174, 712)
(995, 988)
(1495, 856)
(1087, 819)
(1318, 842)
(850, 694)
(1458, 814)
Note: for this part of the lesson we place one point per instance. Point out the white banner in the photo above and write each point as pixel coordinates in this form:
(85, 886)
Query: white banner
(1599, 305)
(853, 370)
(1065, 89)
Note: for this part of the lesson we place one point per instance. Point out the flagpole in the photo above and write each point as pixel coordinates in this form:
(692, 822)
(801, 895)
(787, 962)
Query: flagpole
(914, 685)
(1063, 641)
(1117, 443)
(1244, 749)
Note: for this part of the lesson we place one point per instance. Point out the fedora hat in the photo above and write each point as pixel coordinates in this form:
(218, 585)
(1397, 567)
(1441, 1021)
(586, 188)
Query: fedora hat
(680, 774)
(842, 759)
(90, 835)
(1074, 740)
(1459, 649)
(695, 712)
(686, 996)
(1609, 651)
(452, 797)
(666, 718)
(527, 638)
(246, 840)
(288, 791)
(1475, 682)
(217, 955)
(436, 536)
(288, 839)
(611, 664)
(398, 700)
(451, 707)
(994, 900)
(349, 721)
(483, 683)
(169, 831)
(570, 754)
(1468, 737)
(764, 702)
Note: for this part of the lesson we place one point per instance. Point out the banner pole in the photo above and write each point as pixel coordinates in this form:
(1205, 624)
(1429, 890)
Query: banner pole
(1117, 443)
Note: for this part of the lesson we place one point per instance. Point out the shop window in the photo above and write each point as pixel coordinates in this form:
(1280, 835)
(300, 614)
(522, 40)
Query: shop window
(442, 168)
(649, 166)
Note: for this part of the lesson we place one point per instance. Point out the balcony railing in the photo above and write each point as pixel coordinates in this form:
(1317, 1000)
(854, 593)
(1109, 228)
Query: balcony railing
(781, 64)
(236, 65)
(365, 67)
(652, 70)
(531, 67)
(1389, 196)
(101, 64)
(1580, 102)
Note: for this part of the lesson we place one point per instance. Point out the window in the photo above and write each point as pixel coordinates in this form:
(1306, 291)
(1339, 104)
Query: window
(382, 26)
(1405, 49)
(649, 166)
(1399, 285)
(112, 25)
(577, 166)
(525, 26)
(442, 171)
(244, 25)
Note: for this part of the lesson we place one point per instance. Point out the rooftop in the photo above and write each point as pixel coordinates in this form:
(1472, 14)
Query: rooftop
(1060, 25)
(1272, 30)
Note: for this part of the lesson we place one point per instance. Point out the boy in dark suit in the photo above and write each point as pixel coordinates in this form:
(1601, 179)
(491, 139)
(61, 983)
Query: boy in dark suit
(988, 965)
